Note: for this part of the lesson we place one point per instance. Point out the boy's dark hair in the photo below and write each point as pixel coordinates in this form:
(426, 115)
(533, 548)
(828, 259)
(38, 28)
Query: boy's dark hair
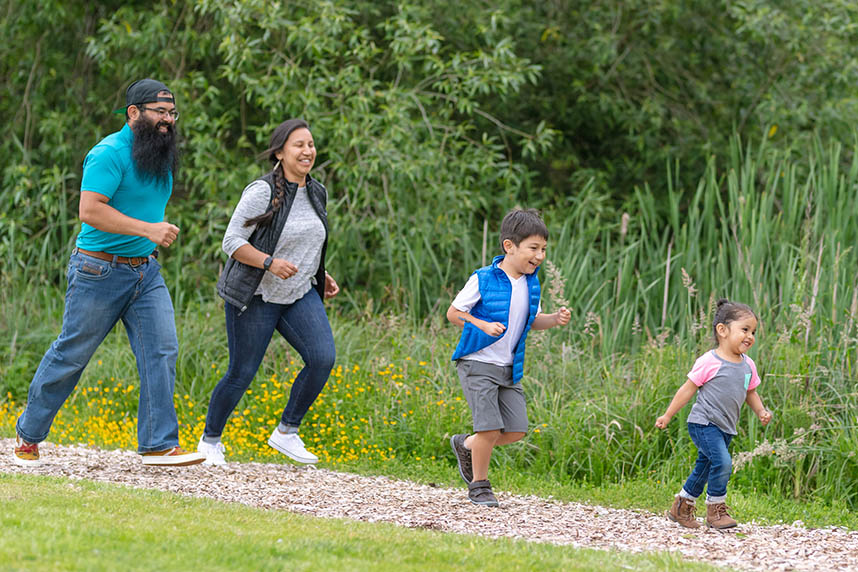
(726, 312)
(518, 224)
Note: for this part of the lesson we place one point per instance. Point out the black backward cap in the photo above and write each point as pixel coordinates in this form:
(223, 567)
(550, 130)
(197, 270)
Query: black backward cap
(145, 91)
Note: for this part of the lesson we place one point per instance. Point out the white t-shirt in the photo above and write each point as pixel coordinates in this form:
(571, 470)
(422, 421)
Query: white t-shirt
(502, 351)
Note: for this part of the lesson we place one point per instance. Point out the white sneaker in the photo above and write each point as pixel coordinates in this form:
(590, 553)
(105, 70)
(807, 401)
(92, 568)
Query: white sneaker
(213, 453)
(291, 445)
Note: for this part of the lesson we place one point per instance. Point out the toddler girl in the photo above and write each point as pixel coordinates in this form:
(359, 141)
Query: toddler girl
(723, 378)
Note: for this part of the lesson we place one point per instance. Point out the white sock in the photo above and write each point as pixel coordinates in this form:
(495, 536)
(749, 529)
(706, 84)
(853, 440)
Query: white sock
(283, 428)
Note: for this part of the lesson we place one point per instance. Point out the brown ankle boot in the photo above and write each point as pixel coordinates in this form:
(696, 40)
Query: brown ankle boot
(717, 517)
(682, 512)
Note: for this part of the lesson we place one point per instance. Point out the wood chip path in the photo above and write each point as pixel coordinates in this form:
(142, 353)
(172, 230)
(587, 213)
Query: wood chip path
(326, 493)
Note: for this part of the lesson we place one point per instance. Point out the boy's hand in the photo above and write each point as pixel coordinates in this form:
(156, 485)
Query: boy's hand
(765, 416)
(662, 421)
(563, 316)
(493, 329)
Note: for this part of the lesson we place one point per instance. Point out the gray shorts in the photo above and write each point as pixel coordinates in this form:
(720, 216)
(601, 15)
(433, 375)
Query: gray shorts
(495, 401)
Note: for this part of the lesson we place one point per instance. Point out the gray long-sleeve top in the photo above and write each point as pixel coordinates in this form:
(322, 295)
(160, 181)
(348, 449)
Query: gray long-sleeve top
(300, 242)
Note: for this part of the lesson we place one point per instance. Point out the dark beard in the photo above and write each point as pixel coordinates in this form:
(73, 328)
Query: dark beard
(154, 153)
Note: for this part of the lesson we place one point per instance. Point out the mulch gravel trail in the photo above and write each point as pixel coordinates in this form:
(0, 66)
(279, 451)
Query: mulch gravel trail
(326, 493)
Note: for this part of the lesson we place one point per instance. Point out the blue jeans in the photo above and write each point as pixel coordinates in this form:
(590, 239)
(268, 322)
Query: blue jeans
(714, 464)
(304, 325)
(99, 294)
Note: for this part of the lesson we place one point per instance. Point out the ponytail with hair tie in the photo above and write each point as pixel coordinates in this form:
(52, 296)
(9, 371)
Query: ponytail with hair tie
(726, 312)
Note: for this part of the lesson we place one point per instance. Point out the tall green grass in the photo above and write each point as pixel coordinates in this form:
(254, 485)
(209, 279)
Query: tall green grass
(763, 227)
(769, 227)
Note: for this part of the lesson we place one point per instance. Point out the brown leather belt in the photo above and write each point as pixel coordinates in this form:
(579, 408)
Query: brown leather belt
(133, 261)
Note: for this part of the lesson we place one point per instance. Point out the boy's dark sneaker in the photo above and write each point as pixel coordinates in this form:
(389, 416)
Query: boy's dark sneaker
(480, 492)
(463, 456)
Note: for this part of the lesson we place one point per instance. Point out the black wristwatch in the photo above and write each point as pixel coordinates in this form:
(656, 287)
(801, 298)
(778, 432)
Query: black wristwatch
(267, 263)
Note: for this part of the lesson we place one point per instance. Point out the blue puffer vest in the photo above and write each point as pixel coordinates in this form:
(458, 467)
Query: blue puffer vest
(495, 296)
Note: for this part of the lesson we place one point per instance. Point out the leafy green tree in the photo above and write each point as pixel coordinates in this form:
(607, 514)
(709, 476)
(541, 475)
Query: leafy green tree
(398, 116)
(631, 85)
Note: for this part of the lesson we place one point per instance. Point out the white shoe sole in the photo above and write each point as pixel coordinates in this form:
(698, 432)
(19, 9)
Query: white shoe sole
(484, 503)
(27, 462)
(293, 456)
(174, 461)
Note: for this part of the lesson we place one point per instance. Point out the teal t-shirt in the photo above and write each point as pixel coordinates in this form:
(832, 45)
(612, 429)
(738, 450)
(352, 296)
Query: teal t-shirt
(109, 170)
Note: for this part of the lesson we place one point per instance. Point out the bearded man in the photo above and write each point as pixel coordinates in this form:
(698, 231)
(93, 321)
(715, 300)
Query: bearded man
(114, 275)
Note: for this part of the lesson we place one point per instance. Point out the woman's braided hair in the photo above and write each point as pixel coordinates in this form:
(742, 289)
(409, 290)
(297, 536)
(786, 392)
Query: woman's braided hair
(278, 139)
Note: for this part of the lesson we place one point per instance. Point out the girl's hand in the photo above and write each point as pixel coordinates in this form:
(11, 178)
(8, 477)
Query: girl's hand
(765, 416)
(331, 286)
(492, 328)
(563, 316)
(662, 421)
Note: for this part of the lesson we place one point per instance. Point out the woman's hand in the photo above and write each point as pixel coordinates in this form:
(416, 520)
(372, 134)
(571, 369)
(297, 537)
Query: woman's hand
(282, 268)
(331, 287)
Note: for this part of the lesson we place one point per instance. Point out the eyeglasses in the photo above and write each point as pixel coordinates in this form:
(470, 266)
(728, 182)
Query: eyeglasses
(161, 111)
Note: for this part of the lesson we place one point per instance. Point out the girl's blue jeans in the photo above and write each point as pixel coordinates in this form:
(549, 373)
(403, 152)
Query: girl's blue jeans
(304, 324)
(714, 464)
(100, 294)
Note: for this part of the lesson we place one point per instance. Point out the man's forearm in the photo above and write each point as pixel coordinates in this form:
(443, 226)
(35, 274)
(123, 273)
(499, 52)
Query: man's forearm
(107, 219)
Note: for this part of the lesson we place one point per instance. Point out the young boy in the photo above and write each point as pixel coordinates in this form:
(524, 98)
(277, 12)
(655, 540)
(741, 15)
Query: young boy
(496, 308)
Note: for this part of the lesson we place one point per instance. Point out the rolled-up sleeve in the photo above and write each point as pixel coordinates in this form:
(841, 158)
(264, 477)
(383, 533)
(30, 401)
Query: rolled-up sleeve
(253, 202)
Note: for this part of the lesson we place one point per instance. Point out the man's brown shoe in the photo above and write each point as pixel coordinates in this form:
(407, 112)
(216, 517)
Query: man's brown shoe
(682, 512)
(717, 517)
(26, 454)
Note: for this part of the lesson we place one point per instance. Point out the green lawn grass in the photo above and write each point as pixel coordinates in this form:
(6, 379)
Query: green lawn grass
(59, 524)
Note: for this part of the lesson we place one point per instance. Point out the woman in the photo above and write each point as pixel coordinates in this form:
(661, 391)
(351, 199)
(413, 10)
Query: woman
(275, 279)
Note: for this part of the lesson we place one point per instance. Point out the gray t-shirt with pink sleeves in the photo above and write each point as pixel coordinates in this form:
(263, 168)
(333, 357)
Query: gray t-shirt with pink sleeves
(722, 388)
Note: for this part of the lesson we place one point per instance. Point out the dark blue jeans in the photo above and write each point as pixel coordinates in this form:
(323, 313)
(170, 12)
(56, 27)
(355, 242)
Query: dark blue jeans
(304, 324)
(714, 464)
